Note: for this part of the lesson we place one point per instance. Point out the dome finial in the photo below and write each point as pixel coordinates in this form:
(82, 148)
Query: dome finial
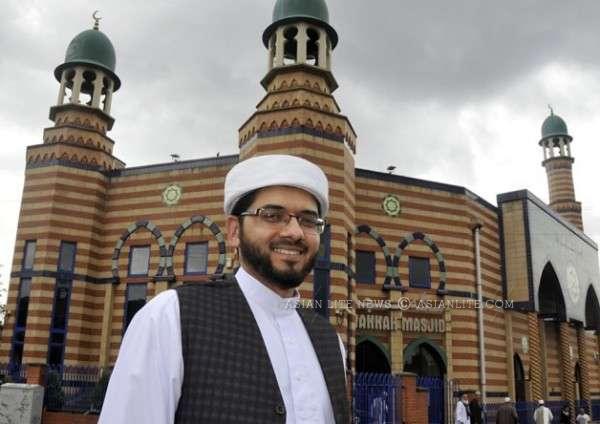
(551, 110)
(96, 19)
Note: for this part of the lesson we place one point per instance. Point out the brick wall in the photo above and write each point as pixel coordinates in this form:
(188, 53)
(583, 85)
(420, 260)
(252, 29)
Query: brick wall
(67, 418)
(415, 401)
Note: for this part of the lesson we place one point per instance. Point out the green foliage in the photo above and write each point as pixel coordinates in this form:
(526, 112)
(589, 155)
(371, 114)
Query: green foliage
(100, 391)
(55, 397)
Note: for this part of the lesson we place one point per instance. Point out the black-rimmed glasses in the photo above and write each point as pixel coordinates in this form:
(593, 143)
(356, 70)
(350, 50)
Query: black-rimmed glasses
(309, 222)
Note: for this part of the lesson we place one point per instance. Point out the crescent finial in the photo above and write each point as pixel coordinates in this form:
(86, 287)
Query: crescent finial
(551, 110)
(96, 19)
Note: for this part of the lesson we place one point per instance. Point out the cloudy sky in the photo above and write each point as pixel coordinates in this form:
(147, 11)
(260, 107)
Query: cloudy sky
(447, 91)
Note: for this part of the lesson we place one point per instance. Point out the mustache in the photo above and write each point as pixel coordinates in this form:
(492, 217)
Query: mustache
(285, 243)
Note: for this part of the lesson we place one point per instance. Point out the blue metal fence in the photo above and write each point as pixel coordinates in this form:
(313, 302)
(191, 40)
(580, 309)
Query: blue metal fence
(435, 386)
(75, 388)
(13, 373)
(525, 410)
(595, 410)
(375, 398)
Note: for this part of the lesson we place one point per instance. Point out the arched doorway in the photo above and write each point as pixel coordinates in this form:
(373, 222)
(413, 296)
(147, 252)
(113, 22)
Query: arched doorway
(424, 358)
(550, 298)
(592, 310)
(519, 378)
(371, 357)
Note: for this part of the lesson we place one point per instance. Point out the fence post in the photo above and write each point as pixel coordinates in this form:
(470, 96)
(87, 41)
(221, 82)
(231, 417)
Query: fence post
(36, 374)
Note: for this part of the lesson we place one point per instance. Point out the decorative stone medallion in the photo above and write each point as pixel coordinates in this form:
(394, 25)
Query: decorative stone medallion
(391, 205)
(525, 344)
(172, 194)
(573, 284)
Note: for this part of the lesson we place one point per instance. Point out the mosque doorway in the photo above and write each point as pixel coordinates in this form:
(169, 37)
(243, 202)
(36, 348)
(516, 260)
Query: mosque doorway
(371, 357)
(519, 379)
(550, 297)
(592, 310)
(424, 358)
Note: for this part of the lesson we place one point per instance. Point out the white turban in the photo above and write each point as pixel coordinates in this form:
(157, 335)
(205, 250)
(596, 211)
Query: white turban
(275, 170)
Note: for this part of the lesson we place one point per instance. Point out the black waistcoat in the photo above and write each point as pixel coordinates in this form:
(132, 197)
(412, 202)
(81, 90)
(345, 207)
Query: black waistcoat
(228, 376)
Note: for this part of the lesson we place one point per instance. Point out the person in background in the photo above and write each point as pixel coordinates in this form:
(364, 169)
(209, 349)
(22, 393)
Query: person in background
(462, 413)
(475, 409)
(542, 414)
(507, 414)
(565, 415)
(583, 418)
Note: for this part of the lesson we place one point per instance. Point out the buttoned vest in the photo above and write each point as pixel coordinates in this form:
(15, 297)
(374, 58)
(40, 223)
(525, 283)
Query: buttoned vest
(228, 376)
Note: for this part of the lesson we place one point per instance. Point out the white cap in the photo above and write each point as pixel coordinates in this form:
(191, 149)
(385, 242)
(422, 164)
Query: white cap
(275, 170)
(506, 399)
(541, 402)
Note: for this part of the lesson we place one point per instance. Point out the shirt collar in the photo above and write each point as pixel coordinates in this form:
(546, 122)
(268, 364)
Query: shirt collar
(257, 293)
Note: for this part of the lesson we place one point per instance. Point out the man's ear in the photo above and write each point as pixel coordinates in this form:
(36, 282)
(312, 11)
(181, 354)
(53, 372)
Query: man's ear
(233, 231)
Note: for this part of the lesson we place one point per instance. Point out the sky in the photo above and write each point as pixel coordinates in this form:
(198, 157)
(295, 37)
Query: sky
(454, 92)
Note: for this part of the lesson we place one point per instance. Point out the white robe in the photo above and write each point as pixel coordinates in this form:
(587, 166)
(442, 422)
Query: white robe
(461, 413)
(146, 382)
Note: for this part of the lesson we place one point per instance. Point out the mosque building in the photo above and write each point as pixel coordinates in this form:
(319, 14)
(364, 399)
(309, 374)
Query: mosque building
(417, 276)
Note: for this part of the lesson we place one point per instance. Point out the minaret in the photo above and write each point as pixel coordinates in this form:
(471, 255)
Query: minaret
(299, 116)
(81, 115)
(558, 161)
(62, 218)
(299, 83)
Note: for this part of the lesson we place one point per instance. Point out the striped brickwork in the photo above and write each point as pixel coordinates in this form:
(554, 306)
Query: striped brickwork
(562, 190)
(567, 353)
(436, 224)
(520, 331)
(538, 358)
(197, 217)
(551, 349)
(61, 204)
(584, 357)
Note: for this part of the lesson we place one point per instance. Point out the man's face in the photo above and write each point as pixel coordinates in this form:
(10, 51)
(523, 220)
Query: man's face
(281, 255)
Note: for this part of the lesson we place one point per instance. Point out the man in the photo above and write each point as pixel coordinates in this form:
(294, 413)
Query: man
(582, 417)
(542, 414)
(240, 351)
(462, 413)
(507, 414)
(475, 409)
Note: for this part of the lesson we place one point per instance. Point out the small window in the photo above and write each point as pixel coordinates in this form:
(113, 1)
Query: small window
(23, 302)
(365, 267)
(29, 255)
(419, 273)
(136, 299)
(196, 258)
(66, 260)
(139, 259)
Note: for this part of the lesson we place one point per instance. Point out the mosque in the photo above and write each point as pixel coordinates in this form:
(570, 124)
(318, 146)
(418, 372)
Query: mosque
(417, 276)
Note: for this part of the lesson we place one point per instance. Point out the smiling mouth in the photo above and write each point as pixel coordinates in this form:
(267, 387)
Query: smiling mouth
(290, 252)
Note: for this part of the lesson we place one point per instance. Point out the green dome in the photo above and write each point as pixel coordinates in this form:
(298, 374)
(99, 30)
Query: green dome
(93, 48)
(316, 9)
(554, 125)
(300, 10)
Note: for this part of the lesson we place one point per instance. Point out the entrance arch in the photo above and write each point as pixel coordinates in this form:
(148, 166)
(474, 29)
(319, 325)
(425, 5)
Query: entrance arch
(371, 356)
(550, 298)
(424, 358)
(592, 310)
(519, 378)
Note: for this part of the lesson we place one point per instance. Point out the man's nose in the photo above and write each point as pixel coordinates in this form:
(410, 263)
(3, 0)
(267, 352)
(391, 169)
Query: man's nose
(293, 229)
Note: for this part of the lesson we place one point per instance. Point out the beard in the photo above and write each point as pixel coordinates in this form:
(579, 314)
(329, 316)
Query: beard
(260, 260)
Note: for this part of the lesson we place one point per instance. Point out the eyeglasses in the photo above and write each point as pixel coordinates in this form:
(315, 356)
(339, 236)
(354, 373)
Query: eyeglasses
(309, 222)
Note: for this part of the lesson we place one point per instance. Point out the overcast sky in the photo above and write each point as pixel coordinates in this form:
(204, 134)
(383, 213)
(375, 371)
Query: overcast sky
(447, 91)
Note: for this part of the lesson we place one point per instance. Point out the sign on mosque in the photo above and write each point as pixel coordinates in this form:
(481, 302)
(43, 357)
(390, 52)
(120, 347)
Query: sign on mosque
(405, 324)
